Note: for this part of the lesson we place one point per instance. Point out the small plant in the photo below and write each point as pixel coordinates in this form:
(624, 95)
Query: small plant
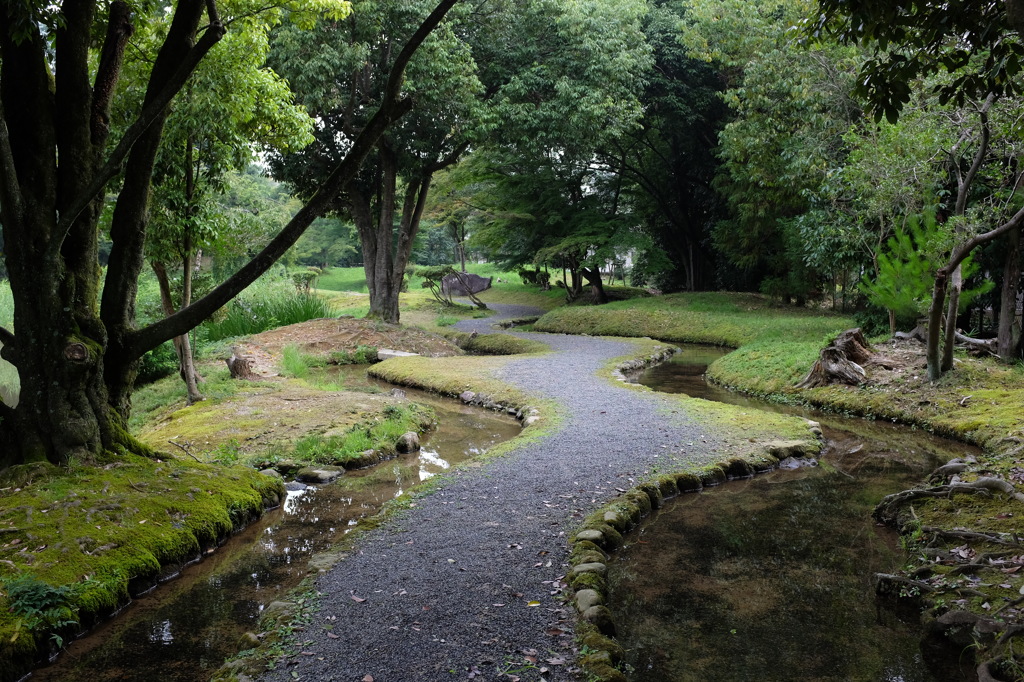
(227, 453)
(295, 363)
(446, 320)
(40, 606)
(362, 355)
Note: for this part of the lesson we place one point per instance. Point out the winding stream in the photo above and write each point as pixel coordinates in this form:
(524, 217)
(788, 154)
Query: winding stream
(771, 578)
(183, 630)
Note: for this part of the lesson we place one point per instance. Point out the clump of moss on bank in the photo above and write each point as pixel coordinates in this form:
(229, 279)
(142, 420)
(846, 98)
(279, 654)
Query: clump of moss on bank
(452, 376)
(722, 319)
(91, 536)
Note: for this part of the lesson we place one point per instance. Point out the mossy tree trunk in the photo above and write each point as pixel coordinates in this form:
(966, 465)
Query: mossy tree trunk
(77, 354)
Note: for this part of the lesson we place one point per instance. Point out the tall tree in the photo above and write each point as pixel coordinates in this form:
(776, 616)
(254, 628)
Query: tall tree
(77, 352)
(340, 68)
(232, 108)
(978, 44)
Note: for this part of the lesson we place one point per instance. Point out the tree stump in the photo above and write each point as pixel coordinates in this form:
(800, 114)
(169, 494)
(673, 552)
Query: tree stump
(241, 365)
(838, 362)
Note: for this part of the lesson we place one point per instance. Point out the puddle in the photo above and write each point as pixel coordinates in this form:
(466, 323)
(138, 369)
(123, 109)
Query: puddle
(183, 630)
(772, 578)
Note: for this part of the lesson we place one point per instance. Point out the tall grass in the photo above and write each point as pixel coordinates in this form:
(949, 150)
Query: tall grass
(10, 384)
(265, 306)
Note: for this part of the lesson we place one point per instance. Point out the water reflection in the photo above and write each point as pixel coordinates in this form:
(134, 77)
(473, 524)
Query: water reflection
(185, 629)
(771, 578)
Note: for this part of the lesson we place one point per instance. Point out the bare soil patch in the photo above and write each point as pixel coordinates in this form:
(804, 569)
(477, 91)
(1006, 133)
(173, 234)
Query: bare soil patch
(326, 335)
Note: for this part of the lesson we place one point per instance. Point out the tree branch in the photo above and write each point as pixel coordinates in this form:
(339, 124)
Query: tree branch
(146, 118)
(393, 106)
(12, 203)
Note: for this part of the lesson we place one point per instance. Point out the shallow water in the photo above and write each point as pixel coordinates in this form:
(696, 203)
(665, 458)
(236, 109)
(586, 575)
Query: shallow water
(772, 578)
(183, 630)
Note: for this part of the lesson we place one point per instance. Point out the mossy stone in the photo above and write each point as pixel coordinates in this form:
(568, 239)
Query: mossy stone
(588, 581)
(597, 642)
(591, 535)
(765, 464)
(612, 538)
(599, 670)
(668, 486)
(738, 468)
(580, 546)
(713, 475)
(619, 522)
(587, 556)
(586, 599)
(654, 493)
(689, 483)
(597, 567)
(601, 618)
(641, 500)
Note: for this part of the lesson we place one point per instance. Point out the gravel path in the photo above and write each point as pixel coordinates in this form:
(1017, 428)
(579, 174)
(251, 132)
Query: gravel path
(443, 592)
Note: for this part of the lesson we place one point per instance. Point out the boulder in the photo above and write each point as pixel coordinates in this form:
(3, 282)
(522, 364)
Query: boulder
(386, 353)
(322, 473)
(408, 442)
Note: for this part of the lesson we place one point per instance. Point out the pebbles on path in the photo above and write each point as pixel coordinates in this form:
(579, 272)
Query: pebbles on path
(466, 583)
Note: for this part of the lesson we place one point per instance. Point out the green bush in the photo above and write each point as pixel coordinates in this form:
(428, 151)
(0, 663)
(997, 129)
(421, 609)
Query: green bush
(158, 363)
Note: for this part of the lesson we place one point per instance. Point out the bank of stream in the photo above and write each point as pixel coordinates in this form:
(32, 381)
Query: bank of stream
(184, 629)
(772, 578)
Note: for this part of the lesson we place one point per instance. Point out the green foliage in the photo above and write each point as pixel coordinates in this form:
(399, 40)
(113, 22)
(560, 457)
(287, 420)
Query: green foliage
(446, 320)
(912, 39)
(266, 306)
(295, 363)
(906, 271)
(362, 355)
(10, 384)
(160, 362)
(40, 606)
(379, 434)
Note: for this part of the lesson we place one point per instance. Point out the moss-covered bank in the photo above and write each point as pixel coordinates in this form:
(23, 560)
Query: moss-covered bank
(77, 544)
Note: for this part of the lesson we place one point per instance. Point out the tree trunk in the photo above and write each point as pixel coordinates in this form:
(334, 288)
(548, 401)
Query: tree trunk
(839, 362)
(593, 277)
(1009, 327)
(182, 344)
(949, 337)
(76, 356)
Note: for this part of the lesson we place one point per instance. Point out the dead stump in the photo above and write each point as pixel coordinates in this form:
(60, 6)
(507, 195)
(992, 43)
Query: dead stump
(839, 362)
(241, 365)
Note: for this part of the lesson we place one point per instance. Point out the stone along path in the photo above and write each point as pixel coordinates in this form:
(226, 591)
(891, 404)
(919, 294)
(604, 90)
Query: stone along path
(449, 590)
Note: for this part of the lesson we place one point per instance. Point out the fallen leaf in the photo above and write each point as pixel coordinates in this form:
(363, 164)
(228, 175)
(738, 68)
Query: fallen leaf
(359, 600)
(554, 632)
(306, 653)
(533, 603)
(555, 661)
(368, 678)
(331, 635)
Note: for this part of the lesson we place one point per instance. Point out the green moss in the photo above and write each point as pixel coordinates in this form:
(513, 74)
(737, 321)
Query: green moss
(588, 581)
(712, 475)
(654, 493)
(106, 530)
(688, 482)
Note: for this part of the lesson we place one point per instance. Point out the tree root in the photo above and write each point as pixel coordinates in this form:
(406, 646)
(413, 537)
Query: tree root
(995, 538)
(885, 510)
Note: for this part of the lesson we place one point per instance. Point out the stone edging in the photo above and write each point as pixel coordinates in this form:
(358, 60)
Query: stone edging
(602, 532)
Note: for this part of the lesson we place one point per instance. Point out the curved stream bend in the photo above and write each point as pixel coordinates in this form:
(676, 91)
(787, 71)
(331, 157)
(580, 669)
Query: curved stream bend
(446, 590)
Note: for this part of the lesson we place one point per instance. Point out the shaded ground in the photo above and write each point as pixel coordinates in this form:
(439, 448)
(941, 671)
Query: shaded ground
(467, 583)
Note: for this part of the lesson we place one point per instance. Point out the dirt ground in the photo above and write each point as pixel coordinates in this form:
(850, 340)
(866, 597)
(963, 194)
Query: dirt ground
(323, 336)
(278, 410)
